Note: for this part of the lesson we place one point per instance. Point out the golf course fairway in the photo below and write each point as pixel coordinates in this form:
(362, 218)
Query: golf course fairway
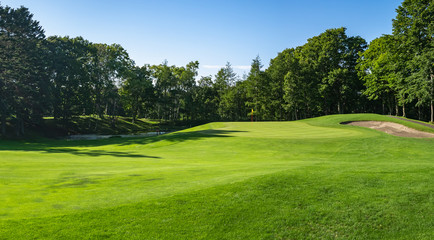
(308, 179)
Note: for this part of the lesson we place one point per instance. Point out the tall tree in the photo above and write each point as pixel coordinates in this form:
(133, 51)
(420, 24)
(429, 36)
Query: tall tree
(302, 97)
(414, 29)
(187, 83)
(166, 88)
(377, 69)
(233, 102)
(23, 85)
(279, 67)
(332, 56)
(109, 65)
(205, 99)
(68, 75)
(254, 85)
(137, 91)
(224, 80)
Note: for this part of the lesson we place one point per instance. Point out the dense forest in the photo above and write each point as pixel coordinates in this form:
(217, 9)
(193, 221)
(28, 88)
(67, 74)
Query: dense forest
(65, 77)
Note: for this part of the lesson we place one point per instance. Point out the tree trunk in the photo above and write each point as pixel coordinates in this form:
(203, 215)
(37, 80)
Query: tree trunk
(19, 128)
(134, 113)
(3, 126)
(389, 107)
(403, 110)
(396, 110)
(96, 122)
(432, 111)
(22, 127)
(432, 95)
(114, 113)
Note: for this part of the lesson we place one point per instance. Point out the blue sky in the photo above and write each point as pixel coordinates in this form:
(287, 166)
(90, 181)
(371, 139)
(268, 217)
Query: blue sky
(212, 32)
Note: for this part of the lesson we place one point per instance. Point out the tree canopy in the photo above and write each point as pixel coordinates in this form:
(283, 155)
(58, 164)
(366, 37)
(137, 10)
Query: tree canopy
(332, 73)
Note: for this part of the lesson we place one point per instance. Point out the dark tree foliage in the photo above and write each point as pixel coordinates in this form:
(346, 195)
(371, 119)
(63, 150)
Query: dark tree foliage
(23, 82)
(174, 90)
(413, 29)
(402, 65)
(68, 73)
(205, 100)
(320, 77)
(137, 92)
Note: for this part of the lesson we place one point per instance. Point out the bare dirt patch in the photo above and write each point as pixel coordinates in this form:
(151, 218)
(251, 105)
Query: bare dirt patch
(392, 128)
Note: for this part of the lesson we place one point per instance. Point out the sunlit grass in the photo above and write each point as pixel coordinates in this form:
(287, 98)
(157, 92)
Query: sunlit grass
(290, 180)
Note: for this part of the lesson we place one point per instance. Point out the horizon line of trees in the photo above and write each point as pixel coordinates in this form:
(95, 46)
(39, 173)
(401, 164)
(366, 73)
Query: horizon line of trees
(332, 73)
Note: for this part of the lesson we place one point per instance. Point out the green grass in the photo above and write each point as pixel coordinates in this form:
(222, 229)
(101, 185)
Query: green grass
(310, 179)
(52, 128)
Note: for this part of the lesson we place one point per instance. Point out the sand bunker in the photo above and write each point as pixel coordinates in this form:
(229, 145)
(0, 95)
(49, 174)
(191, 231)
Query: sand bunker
(392, 128)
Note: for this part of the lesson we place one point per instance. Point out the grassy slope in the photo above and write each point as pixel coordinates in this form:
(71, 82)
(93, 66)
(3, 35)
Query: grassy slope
(49, 127)
(93, 124)
(306, 179)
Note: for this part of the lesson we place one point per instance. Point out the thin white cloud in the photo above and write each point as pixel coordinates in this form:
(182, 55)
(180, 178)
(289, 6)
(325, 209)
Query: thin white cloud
(213, 66)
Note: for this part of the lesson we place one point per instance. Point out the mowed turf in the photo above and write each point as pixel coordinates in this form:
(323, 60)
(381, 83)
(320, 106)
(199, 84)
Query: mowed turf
(306, 179)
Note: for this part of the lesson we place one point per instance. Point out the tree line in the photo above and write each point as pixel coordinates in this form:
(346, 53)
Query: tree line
(65, 77)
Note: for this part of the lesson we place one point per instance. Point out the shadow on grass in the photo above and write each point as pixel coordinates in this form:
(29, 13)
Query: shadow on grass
(64, 146)
(96, 153)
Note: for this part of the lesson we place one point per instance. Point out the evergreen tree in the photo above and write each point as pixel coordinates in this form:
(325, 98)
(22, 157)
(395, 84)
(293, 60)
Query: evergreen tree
(224, 80)
(23, 82)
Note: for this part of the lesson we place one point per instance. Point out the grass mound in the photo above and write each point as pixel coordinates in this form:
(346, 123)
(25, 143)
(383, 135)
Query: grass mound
(52, 128)
(307, 179)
